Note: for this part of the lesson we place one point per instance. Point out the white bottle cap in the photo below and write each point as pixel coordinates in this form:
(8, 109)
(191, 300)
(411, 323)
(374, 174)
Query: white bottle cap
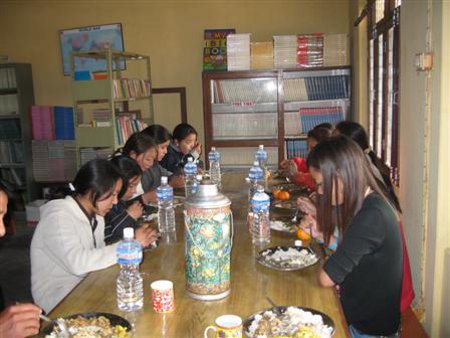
(128, 233)
(190, 159)
(255, 163)
(261, 146)
(163, 179)
(298, 243)
(213, 148)
(199, 177)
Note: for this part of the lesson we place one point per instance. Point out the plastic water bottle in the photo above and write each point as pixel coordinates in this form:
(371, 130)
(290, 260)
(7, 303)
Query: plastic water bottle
(130, 286)
(190, 179)
(261, 157)
(214, 167)
(255, 177)
(166, 212)
(260, 228)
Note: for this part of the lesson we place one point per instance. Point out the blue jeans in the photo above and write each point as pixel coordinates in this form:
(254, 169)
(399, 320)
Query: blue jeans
(354, 333)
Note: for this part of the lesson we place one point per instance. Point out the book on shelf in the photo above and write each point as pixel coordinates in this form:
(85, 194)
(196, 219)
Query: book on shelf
(296, 147)
(215, 48)
(311, 117)
(126, 126)
(52, 123)
(9, 104)
(131, 88)
(7, 78)
(10, 129)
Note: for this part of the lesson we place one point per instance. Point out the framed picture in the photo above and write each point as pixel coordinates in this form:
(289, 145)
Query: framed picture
(90, 38)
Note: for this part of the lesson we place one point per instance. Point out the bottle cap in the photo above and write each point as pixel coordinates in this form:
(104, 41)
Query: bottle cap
(164, 180)
(260, 188)
(190, 159)
(128, 233)
(199, 177)
(213, 148)
(298, 243)
(261, 146)
(255, 163)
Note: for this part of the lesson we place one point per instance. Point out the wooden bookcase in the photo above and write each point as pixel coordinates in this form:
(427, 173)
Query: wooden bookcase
(116, 90)
(16, 98)
(247, 108)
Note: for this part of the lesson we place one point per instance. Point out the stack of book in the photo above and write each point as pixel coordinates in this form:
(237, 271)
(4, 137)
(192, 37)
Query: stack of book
(50, 123)
(296, 148)
(54, 161)
(9, 104)
(64, 127)
(126, 125)
(102, 117)
(131, 88)
(311, 117)
(88, 154)
(262, 55)
(285, 51)
(10, 129)
(7, 78)
(292, 125)
(238, 51)
(245, 92)
(310, 50)
(336, 50)
(11, 152)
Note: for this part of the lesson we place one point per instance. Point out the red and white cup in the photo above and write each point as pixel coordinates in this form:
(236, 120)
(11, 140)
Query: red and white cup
(162, 296)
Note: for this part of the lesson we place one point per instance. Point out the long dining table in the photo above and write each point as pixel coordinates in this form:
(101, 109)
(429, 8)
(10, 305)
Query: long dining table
(251, 283)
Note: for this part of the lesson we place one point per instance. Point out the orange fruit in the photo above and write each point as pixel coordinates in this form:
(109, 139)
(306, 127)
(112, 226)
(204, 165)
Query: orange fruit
(275, 192)
(283, 195)
(303, 235)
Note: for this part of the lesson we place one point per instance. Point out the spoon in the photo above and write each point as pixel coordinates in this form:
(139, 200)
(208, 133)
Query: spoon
(275, 308)
(62, 325)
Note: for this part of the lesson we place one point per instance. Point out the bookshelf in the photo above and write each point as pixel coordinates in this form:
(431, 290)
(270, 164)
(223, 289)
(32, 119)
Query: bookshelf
(276, 108)
(110, 105)
(16, 97)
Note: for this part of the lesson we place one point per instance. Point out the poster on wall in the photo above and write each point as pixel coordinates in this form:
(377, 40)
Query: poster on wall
(90, 38)
(215, 48)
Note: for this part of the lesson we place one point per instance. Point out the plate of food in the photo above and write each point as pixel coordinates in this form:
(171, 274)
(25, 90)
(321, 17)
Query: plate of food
(287, 258)
(286, 204)
(292, 188)
(92, 324)
(282, 225)
(289, 321)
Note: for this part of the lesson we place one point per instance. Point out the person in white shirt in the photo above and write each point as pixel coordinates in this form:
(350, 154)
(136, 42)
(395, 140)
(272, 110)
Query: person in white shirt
(69, 239)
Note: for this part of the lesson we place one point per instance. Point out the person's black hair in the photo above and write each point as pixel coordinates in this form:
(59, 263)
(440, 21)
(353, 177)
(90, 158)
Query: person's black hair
(7, 189)
(182, 131)
(128, 168)
(319, 134)
(96, 177)
(358, 134)
(326, 125)
(158, 132)
(138, 143)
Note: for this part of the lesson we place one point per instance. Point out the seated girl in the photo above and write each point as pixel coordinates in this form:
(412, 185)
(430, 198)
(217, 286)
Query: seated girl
(68, 241)
(367, 264)
(183, 146)
(151, 178)
(122, 216)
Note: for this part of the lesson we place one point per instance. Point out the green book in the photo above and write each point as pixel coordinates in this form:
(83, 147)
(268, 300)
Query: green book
(215, 49)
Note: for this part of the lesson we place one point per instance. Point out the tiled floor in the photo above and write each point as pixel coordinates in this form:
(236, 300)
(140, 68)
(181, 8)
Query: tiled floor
(15, 265)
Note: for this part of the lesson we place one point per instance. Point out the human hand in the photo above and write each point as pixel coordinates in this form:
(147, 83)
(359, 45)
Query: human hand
(19, 321)
(149, 197)
(284, 164)
(292, 169)
(198, 148)
(309, 224)
(135, 210)
(146, 235)
(305, 205)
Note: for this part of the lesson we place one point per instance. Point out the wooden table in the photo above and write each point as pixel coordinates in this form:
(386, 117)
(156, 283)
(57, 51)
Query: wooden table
(250, 283)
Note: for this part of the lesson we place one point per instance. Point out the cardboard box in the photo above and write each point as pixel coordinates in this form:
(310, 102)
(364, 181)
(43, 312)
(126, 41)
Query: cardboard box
(33, 211)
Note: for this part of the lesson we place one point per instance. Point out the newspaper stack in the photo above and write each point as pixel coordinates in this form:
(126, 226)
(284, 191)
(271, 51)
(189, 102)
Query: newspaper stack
(285, 51)
(262, 55)
(336, 50)
(238, 51)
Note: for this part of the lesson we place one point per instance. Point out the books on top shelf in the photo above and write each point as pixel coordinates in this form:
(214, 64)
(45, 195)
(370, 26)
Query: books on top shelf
(261, 55)
(238, 52)
(7, 78)
(215, 48)
(131, 88)
(54, 161)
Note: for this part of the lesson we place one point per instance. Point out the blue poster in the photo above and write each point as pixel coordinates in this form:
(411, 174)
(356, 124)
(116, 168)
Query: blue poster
(90, 38)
